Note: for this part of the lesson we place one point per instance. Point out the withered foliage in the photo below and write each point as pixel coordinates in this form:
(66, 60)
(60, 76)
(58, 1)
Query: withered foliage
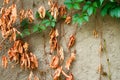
(55, 62)
(6, 2)
(101, 71)
(53, 9)
(4, 61)
(53, 39)
(42, 12)
(70, 77)
(70, 60)
(71, 41)
(26, 14)
(31, 75)
(68, 19)
(61, 54)
(19, 53)
(95, 33)
(8, 18)
(62, 10)
(57, 73)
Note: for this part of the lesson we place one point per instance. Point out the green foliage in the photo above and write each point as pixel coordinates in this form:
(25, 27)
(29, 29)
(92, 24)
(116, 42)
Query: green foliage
(73, 4)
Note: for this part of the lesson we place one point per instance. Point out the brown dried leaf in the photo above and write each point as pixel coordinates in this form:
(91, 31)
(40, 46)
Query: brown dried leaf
(101, 48)
(54, 10)
(62, 10)
(61, 53)
(33, 61)
(53, 33)
(6, 1)
(22, 15)
(95, 33)
(4, 61)
(55, 62)
(71, 41)
(101, 71)
(57, 73)
(30, 76)
(70, 77)
(42, 12)
(36, 77)
(30, 16)
(70, 60)
(68, 19)
(25, 46)
(50, 3)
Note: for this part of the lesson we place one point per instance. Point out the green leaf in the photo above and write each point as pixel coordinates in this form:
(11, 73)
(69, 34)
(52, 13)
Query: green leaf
(101, 1)
(90, 11)
(37, 15)
(69, 5)
(115, 12)
(85, 7)
(52, 23)
(25, 32)
(78, 1)
(76, 6)
(25, 22)
(35, 28)
(47, 23)
(86, 18)
(42, 27)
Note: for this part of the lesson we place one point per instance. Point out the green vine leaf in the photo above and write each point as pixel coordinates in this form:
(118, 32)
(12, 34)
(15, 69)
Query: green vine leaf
(37, 15)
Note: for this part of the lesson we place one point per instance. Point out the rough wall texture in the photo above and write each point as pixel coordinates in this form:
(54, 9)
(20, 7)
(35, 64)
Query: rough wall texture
(87, 59)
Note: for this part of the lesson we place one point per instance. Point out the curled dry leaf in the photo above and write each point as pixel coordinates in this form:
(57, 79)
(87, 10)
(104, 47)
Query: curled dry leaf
(42, 12)
(70, 77)
(25, 46)
(6, 1)
(95, 33)
(70, 60)
(62, 10)
(36, 77)
(68, 19)
(54, 9)
(4, 61)
(101, 71)
(50, 3)
(30, 16)
(55, 62)
(30, 76)
(71, 41)
(61, 53)
(53, 40)
(101, 48)
(57, 73)
(22, 15)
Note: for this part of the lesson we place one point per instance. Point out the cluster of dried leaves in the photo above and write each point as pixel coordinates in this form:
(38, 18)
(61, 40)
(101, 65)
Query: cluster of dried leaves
(8, 18)
(57, 59)
(19, 53)
(26, 14)
(31, 75)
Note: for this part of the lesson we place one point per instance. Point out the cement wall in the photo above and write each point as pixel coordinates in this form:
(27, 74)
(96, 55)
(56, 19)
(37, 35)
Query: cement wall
(87, 58)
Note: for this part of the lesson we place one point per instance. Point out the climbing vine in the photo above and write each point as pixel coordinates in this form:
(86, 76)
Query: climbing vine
(76, 12)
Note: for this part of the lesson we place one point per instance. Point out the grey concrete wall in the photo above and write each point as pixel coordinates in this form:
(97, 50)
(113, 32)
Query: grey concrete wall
(87, 58)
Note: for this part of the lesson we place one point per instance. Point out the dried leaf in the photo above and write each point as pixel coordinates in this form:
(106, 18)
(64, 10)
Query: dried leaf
(4, 61)
(68, 19)
(6, 1)
(42, 12)
(95, 33)
(36, 77)
(70, 77)
(53, 40)
(54, 9)
(30, 16)
(62, 10)
(71, 41)
(70, 60)
(101, 71)
(30, 76)
(61, 53)
(55, 62)
(101, 48)
(25, 46)
(57, 73)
